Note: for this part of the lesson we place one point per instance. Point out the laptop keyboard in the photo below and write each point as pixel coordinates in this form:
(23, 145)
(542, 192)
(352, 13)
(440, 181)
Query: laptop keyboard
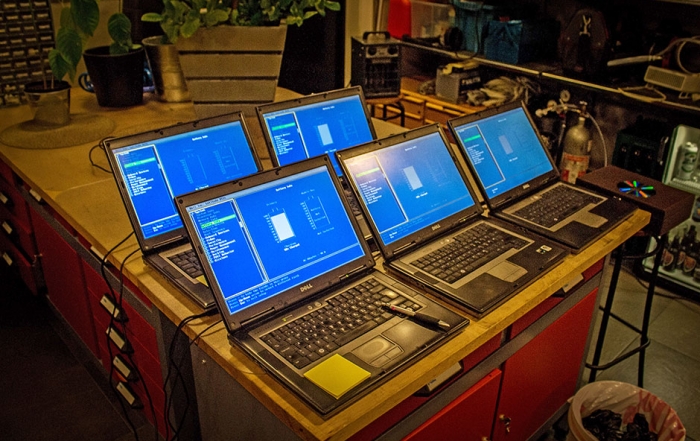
(188, 262)
(469, 250)
(346, 316)
(556, 205)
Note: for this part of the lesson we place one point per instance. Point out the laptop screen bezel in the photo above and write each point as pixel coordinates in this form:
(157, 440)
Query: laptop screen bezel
(254, 314)
(111, 145)
(520, 191)
(264, 110)
(428, 232)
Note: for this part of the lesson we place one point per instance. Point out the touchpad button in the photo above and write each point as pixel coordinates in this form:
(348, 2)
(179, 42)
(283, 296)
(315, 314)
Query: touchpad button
(507, 271)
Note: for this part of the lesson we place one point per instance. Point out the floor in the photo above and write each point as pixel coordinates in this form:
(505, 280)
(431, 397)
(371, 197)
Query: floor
(46, 389)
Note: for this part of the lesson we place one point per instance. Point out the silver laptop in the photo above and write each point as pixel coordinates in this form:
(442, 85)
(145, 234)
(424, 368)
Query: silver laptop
(152, 168)
(427, 224)
(297, 289)
(521, 184)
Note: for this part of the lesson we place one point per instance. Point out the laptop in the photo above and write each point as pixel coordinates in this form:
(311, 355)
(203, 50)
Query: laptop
(426, 222)
(151, 168)
(297, 287)
(316, 124)
(520, 182)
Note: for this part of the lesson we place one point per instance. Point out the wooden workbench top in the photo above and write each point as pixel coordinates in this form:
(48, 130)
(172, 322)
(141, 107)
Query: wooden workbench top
(87, 198)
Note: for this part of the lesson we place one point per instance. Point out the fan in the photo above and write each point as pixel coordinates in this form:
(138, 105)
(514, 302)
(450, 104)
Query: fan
(636, 188)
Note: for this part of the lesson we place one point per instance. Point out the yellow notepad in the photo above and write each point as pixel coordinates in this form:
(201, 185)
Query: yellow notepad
(337, 375)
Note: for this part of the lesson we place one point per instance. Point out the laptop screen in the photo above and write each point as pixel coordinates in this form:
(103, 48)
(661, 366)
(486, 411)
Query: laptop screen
(504, 150)
(156, 170)
(316, 124)
(270, 238)
(409, 185)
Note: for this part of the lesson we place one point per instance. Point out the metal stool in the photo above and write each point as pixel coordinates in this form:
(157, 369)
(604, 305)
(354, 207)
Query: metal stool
(607, 313)
(386, 102)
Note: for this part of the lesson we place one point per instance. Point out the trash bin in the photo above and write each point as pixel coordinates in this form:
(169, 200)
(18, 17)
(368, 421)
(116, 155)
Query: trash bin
(627, 400)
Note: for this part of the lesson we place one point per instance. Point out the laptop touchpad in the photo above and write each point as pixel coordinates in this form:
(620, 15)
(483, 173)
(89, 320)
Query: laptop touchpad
(507, 271)
(590, 219)
(377, 352)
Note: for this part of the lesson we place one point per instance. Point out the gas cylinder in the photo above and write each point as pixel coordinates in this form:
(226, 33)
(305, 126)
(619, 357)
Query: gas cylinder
(575, 155)
(399, 19)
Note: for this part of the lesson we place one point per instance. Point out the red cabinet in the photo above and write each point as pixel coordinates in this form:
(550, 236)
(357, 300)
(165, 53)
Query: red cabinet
(542, 375)
(63, 275)
(468, 418)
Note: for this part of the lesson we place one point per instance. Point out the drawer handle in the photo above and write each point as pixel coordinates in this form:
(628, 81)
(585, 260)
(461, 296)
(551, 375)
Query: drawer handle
(129, 396)
(123, 368)
(8, 228)
(8, 260)
(118, 340)
(6, 201)
(113, 310)
(35, 195)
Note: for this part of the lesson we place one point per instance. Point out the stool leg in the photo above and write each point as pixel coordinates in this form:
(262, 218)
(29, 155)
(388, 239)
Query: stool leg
(606, 313)
(647, 308)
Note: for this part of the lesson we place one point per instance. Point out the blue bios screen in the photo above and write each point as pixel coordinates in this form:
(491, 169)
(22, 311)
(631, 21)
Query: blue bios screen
(267, 239)
(157, 171)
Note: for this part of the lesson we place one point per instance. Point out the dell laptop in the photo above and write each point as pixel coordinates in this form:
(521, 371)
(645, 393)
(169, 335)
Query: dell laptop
(296, 285)
(151, 168)
(316, 124)
(425, 220)
(521, 184)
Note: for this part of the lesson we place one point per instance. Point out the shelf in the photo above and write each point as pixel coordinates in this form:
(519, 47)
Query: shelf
(551, 71)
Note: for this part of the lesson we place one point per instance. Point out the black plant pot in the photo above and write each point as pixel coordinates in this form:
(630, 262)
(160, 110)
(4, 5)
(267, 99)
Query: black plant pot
(117, 80)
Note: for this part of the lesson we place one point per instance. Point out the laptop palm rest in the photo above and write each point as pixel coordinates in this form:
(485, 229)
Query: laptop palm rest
(590, 219)
(403, 339)
(507, 271)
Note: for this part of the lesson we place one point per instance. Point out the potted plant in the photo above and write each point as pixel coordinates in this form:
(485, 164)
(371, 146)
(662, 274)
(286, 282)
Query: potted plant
(231, 51)
(115, 71)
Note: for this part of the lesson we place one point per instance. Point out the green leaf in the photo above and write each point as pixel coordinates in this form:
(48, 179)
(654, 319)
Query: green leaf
(333, 6)
(190, 27)
(60, 67)
(119, 28)
(86, 15)
(118, 49)
(69, 45)
(213, 18)
(152, 17)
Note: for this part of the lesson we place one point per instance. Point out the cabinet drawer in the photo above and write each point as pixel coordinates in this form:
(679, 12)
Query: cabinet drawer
(6, 173)
(18, 233)
(147, 365)
(469, 417)
(137, 327)
(411, 122)
(11, 257)
(12, 200)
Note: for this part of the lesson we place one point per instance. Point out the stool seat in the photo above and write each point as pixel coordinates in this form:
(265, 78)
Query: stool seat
(386, 102)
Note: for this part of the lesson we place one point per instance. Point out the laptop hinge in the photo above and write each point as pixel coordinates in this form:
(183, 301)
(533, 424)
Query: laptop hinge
(257, 316)
(355, 271)
(405, 247)
(173, 240)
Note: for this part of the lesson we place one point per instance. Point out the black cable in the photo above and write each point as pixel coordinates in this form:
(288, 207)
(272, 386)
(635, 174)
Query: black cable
(97, 146)
(126, 339)
(103, 263)
(194, 340)
(171, 362)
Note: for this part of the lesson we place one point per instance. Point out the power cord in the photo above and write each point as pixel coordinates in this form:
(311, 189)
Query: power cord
(101, 147)
(194, 340)
(171, 364)
(118, 299)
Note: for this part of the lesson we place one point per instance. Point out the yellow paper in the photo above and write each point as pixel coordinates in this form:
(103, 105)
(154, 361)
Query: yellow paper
(202, 280)
(337, 375)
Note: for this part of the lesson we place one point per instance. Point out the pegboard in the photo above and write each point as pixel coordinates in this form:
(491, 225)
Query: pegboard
(26, 38)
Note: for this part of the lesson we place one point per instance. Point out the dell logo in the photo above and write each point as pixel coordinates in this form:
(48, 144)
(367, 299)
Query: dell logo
(306, 287)
(526, 186)
(435, 227)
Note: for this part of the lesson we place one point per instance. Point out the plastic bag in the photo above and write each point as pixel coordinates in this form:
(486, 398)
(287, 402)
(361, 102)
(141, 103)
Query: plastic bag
(627, 400)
